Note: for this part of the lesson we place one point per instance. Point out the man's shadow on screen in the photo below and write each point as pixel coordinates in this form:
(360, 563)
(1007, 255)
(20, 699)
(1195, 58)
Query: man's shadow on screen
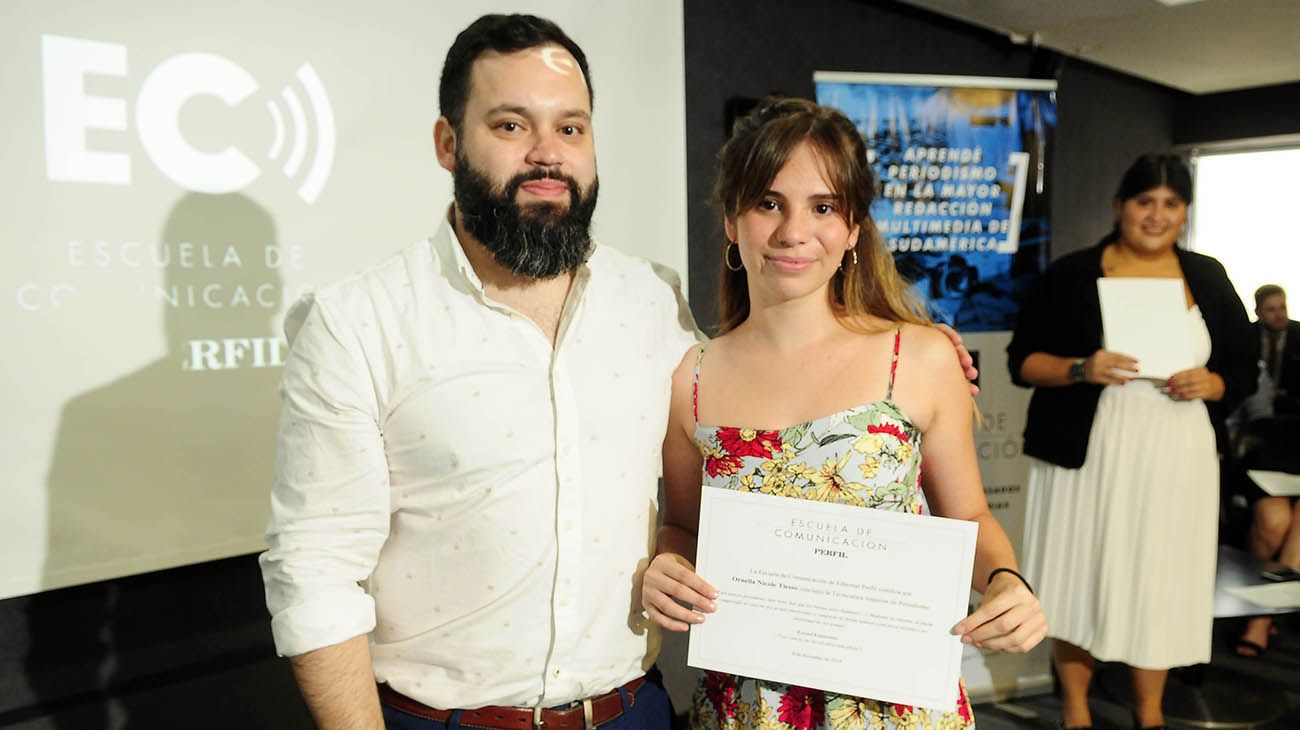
(167, 465)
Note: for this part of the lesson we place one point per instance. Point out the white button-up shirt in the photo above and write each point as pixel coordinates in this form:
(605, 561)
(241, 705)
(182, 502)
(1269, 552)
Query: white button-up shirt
(481, 501)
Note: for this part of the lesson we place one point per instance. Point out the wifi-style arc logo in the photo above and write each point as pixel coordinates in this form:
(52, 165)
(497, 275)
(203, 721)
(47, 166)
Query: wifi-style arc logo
(295, 151)
(302, 120)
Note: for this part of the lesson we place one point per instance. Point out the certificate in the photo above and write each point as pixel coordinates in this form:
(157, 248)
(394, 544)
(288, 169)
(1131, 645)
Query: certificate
(834, 597)
(1147, 320)
(1276, 483)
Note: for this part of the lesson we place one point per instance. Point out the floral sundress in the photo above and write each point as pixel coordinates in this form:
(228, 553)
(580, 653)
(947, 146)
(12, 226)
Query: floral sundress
(869, 456)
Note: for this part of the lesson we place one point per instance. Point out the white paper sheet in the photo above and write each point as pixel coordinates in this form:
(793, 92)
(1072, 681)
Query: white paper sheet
(1147, 319)
(1270, 595)
(1276, 483)
(834, 597)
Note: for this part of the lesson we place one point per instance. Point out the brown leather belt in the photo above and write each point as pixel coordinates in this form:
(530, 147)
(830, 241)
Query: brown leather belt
(583, 715)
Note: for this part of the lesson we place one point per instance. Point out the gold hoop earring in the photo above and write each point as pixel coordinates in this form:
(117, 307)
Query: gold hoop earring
(726, 257)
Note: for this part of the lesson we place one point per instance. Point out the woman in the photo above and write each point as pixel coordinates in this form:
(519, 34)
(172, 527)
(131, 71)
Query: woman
(820, 345)
(1123, 481)
(1274, 536)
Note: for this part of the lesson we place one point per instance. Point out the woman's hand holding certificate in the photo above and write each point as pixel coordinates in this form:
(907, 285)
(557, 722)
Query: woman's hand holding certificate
(1009, 618)
(1104, 367)
(1195, 384)
(670, 581)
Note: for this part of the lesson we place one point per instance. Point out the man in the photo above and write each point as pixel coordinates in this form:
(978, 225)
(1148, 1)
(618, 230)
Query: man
(1279, 347)
(472, 431)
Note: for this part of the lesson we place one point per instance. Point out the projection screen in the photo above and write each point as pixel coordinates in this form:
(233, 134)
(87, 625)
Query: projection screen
(180, 172)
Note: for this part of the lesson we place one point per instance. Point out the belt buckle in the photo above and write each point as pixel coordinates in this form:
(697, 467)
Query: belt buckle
(588, 720)
(538, 722)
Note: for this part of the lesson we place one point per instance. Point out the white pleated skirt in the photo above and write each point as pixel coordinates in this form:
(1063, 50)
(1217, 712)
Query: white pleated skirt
(1122, 551)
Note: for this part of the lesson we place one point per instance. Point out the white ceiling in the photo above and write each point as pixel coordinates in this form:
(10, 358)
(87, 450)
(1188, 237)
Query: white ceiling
(1200, 46)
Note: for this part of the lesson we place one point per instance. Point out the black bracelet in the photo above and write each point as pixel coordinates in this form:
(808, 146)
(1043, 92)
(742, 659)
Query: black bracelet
(1008, 570)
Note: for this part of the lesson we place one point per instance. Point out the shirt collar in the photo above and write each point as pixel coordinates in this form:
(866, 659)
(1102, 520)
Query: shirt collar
(450, 258)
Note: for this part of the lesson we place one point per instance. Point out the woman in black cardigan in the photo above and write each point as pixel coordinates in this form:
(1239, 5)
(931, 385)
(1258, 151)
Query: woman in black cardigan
(1123, 485)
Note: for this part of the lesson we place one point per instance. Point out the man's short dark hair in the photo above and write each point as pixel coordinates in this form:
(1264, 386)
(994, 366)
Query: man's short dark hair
(1266, 291)
(503, 34)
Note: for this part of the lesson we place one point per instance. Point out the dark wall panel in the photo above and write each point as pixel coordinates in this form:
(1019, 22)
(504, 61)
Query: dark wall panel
(1265, 111)
(189, 647)
(1106, 120)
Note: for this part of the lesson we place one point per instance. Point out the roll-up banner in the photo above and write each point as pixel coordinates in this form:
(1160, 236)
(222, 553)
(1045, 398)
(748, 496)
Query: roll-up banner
(963, 203)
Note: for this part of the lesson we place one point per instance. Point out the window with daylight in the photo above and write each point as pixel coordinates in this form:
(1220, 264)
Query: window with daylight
(1247, 216)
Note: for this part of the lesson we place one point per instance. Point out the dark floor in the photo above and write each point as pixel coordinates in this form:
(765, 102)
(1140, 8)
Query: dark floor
(1234, 692)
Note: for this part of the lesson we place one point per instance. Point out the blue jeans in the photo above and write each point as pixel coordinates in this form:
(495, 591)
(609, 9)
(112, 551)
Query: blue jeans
(651, 711)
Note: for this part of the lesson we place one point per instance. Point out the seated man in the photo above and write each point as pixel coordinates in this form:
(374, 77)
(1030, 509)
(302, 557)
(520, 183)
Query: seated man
(1269, 441)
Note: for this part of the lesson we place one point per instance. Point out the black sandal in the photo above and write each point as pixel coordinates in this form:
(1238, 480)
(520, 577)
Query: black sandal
(1249, 646)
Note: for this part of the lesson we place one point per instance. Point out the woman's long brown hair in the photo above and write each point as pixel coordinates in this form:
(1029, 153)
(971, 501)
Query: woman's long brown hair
(760, 145)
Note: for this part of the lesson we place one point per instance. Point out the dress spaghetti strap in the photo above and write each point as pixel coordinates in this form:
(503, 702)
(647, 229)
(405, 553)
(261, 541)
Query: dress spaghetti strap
(893, 364)
(695, 384)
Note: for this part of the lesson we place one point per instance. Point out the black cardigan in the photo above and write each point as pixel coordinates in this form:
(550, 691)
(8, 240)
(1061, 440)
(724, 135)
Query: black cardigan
(1062, 316)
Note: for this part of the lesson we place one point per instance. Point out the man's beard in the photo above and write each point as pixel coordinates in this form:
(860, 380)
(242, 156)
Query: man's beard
(537, 241)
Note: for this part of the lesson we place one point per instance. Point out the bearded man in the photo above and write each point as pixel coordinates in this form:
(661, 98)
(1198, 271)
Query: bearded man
(469, 448)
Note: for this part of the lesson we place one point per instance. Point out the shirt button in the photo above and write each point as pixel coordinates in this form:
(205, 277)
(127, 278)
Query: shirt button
(556, 673)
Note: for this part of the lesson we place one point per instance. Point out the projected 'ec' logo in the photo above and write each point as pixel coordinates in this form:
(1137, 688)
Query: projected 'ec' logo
(70, 112)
